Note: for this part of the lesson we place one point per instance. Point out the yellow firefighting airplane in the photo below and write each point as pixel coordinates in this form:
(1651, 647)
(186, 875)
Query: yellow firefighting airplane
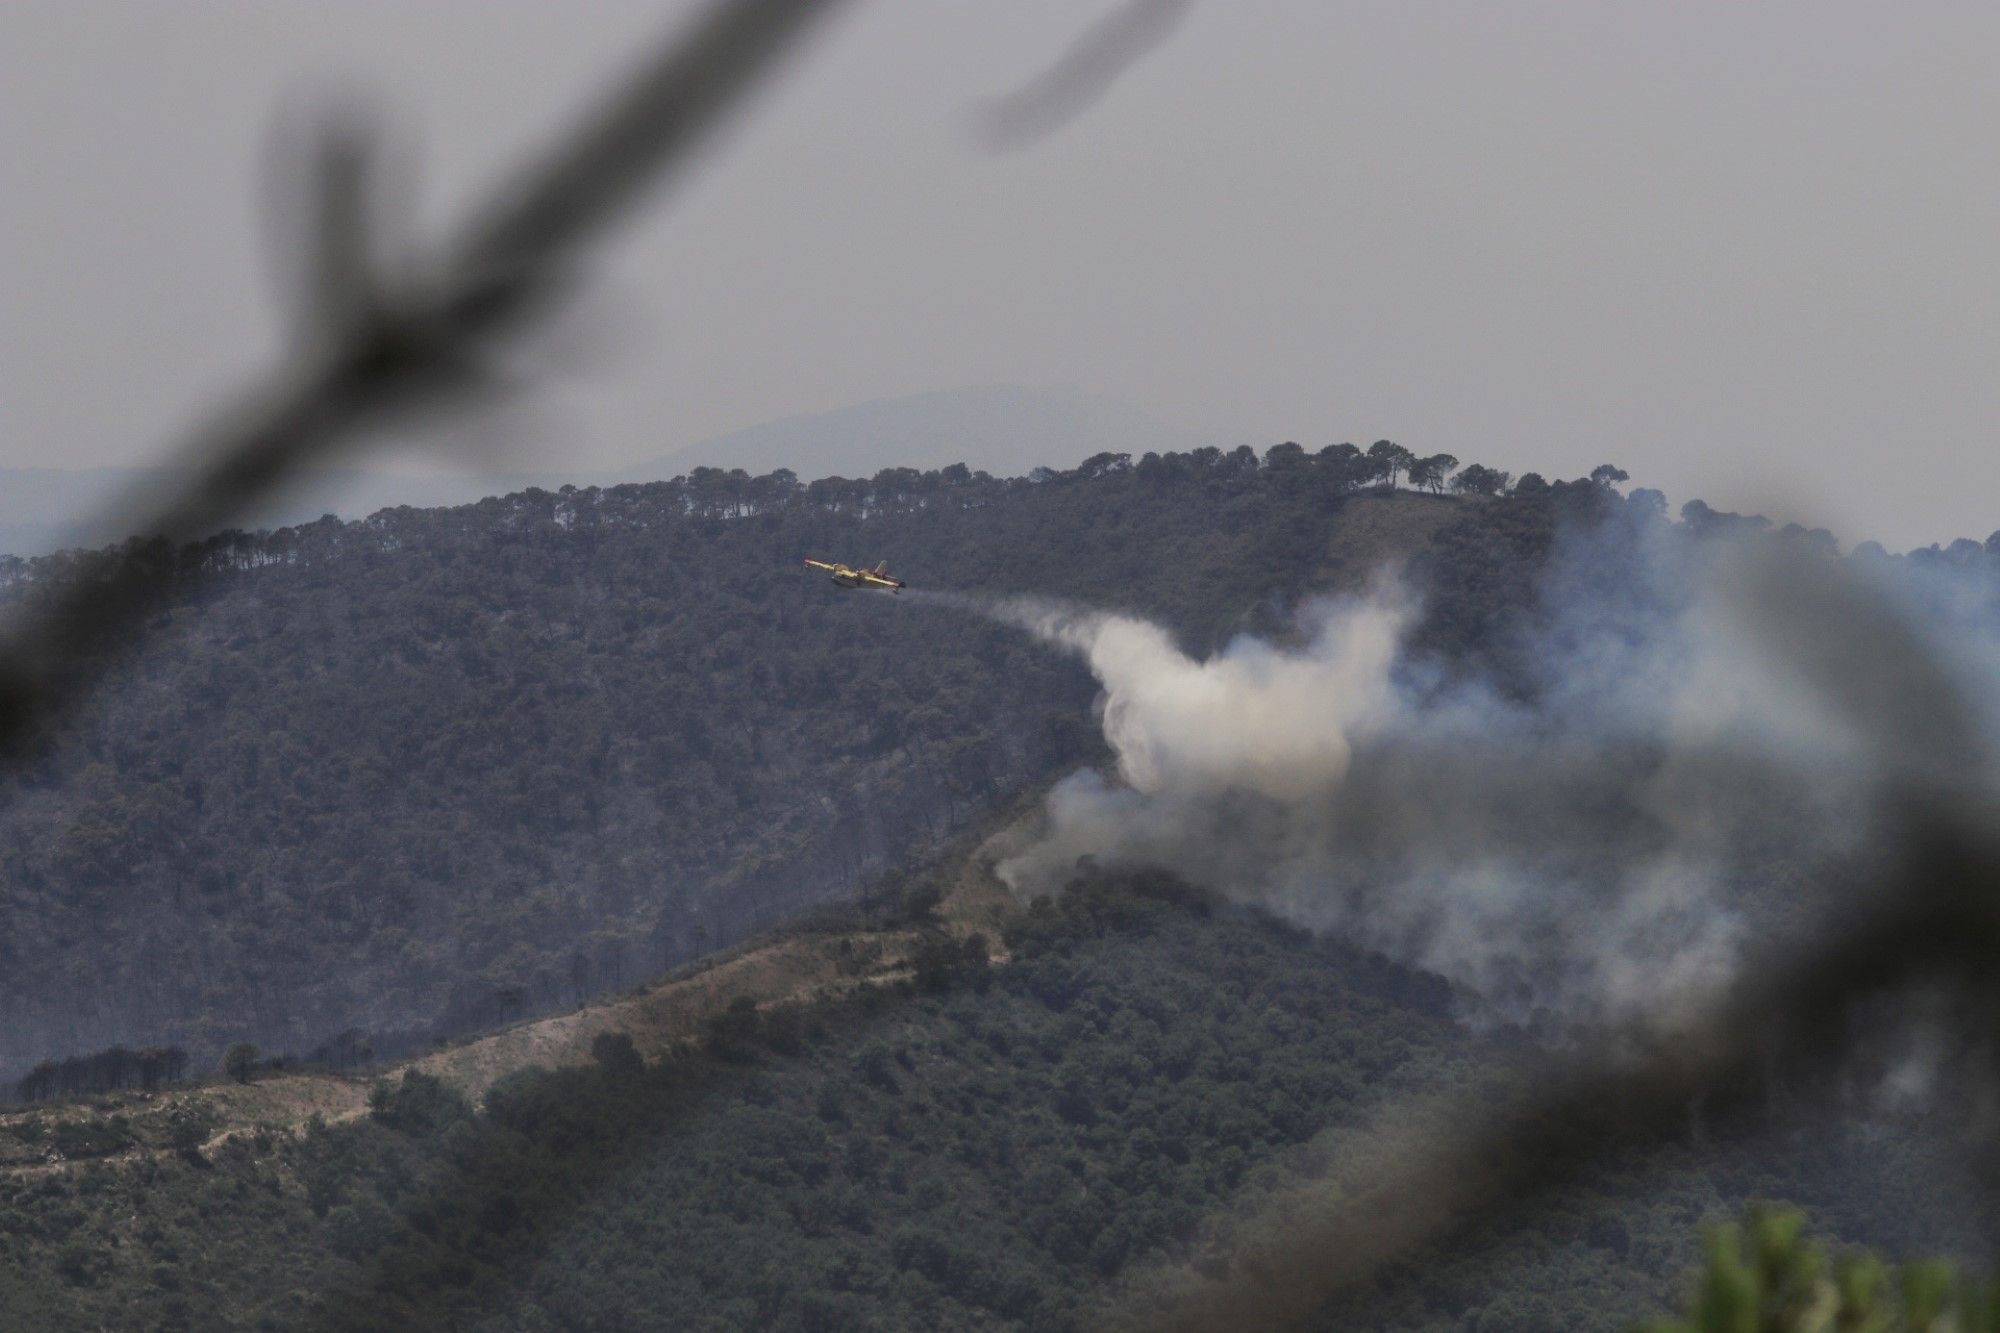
(877, 577)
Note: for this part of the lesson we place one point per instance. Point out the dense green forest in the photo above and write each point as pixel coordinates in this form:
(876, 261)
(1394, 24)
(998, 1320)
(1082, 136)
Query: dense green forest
(1052, 1143)
(374, 782)
(367, 783)
(442, 769)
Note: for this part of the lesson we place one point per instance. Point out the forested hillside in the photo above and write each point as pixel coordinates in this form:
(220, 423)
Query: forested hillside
(1058, 1141)
(443, 769)
(450, 767)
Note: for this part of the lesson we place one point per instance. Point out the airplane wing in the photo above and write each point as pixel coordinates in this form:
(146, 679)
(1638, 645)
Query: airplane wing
(820, 564)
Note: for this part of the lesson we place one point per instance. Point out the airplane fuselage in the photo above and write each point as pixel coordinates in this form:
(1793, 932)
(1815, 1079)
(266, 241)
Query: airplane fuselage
(846, 577)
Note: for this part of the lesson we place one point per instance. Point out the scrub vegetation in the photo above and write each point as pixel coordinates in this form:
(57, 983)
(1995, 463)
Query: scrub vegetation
(370, 783)
(378, 784)
(1055, 1140)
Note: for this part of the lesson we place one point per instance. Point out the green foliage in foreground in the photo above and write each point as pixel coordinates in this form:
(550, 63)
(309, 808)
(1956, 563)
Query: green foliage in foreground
(1765, 1276)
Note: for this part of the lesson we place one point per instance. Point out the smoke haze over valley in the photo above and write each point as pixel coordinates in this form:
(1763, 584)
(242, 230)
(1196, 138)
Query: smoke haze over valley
(1597, 851)
(744, 691)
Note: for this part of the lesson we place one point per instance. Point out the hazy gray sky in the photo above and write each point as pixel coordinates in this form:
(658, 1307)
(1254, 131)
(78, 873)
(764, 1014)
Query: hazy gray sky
(1749, 251)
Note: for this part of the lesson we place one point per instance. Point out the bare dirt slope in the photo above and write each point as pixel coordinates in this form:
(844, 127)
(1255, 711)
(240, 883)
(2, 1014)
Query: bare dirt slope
(675, 1011)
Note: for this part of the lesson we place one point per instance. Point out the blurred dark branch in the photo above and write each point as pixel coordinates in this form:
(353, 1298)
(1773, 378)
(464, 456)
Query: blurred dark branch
(1923, 910)
(1081, 75)
(1430, 1171)
(375, 345)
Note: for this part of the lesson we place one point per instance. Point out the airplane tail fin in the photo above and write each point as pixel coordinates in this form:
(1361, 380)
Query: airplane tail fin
(881, 567)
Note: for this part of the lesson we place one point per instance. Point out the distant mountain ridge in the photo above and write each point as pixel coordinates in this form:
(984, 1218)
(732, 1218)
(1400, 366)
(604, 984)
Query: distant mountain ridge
(1004, 429)
(1007, 430)
(631, 766)
(44, 509)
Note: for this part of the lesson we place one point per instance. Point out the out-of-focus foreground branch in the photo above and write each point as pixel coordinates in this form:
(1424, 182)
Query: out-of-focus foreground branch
(1080, 75)
(1422, 1173)
(375, 343)
(378, 340)
(1922, 911)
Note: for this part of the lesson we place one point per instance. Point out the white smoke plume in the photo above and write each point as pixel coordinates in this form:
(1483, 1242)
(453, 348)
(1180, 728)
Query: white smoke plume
(1608, 854)
(1254, 718)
